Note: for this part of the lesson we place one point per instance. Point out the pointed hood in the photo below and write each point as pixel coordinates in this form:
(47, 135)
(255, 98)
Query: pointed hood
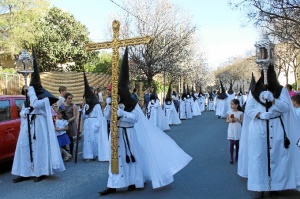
(230, 91)
(222, 94)
(168, 98)
(252, 83)
(210, 95)
(188, 91)
(241, 91)
(273, 85)
(123, 85)
(200, 91)
(153, 95)
(90, 97)
(193, 93)
(183, 95)
(35, 81)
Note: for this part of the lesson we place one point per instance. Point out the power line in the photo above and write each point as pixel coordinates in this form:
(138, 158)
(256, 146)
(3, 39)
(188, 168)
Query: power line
(128, 11)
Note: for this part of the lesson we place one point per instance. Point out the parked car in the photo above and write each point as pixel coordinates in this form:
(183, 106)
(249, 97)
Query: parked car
(10, 107)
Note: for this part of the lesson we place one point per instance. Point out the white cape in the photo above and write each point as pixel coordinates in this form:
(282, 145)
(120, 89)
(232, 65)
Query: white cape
(171, 114)
(162, 157)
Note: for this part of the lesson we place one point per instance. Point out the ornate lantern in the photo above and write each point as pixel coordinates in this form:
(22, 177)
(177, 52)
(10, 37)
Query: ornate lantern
(264, 54)
(24, 65)
(264, 51)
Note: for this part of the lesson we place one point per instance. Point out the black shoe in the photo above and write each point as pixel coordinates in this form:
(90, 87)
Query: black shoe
(131, 187)
(20, 179)
(274, 193)
(40, 178)
(257, 194)
(107, 191)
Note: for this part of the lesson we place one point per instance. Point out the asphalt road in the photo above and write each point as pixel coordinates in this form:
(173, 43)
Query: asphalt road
(208, 176)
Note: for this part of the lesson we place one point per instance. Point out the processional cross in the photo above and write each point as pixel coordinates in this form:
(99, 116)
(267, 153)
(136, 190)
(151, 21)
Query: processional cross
(115, 44)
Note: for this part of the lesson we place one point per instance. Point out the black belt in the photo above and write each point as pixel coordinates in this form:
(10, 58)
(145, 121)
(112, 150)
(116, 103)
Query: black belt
(127, 144)
(286, 142)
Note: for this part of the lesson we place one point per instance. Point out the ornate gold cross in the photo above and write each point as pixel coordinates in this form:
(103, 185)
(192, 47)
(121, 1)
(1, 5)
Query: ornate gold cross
(115, 44)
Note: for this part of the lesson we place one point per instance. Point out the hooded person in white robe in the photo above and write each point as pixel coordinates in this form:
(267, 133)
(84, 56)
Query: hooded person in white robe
(45, 155)
(284, 159)
(210, 102)
(240, 97)
(94, 127)
(107, 116)
(170, 110)
(185, 107)
(201, 100)
(194, 104)
(222, 105)
(155, 113)
(230, 94)
(145, 152)
(243, 151)
(130, 173)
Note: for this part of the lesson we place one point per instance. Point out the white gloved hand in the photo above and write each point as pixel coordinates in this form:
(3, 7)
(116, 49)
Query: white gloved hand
(120, 112)
(83, 116)
(268, 95)
(26, 110)
(265, 116)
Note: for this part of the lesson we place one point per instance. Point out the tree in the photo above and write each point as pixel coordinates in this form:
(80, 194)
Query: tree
(61, 41)
(286, 59)
(18, 23)
(238, 70)
(171, 30)
(280, 18)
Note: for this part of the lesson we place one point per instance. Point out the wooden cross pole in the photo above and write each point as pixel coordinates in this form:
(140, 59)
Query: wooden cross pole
(115, 44)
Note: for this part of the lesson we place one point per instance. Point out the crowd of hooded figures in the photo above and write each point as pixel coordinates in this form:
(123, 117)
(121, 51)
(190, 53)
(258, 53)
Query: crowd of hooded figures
(261, 129)
(145, 152)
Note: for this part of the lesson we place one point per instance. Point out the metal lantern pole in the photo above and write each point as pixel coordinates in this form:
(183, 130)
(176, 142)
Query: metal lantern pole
(264, 56)
(23, 68)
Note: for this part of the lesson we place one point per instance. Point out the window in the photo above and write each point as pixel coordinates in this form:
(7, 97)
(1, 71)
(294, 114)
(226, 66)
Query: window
(19, 104)
(4, 110)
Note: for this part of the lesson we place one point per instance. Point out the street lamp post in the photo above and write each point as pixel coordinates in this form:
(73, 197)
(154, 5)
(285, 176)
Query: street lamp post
(264, 57)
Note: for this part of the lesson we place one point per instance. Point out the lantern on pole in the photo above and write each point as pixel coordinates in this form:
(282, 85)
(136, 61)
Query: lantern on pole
(265, 57)
(264, 54)
(24, 65)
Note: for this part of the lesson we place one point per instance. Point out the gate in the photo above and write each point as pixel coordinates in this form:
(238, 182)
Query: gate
(10, 84)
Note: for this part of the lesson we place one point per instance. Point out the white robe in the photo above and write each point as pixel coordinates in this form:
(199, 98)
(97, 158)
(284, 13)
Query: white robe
(171, 114)
(241, 99)
(129, 173)
(104, 144)
(157, 116)
(92, 127)
(185, 109)
(201, 102)
(211, 105)
(229, 99)
(243, 150)
(222, 107)
(161, 156)
(285, 163)
(45, 149)
(195, 107)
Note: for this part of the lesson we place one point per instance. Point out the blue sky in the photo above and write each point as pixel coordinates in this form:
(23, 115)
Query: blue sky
(219, 27)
